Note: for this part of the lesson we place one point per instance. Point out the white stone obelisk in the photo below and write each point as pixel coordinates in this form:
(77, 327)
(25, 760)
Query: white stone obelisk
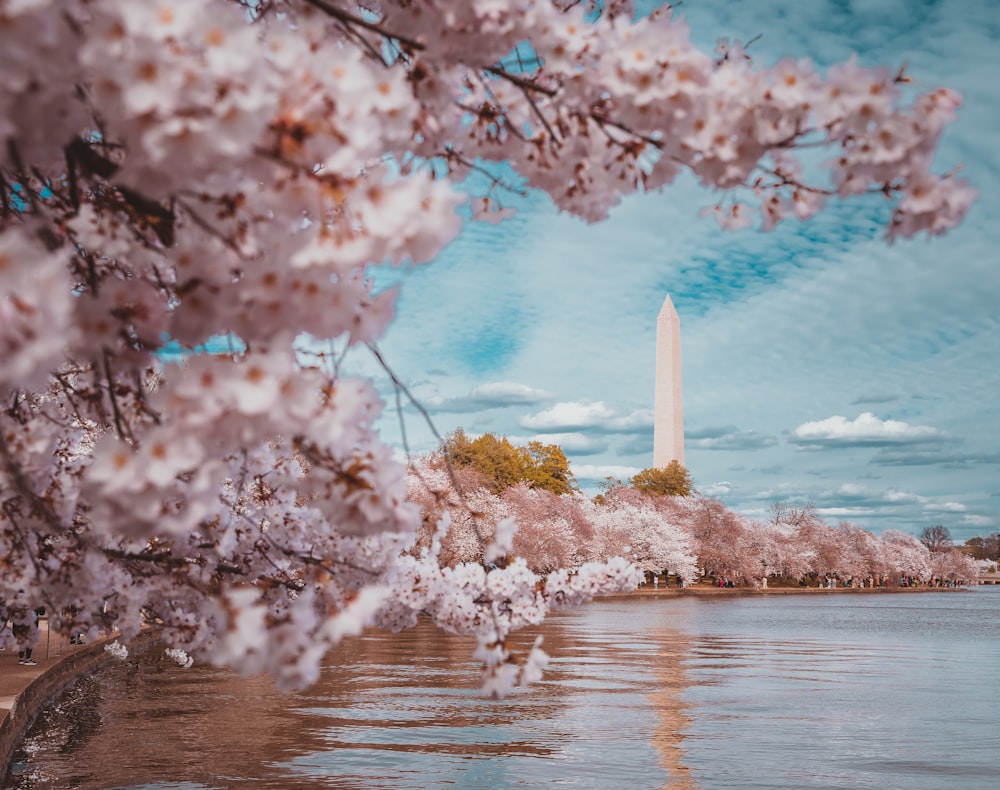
(668, 419)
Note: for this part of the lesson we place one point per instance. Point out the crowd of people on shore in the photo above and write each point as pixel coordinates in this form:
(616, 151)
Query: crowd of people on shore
(654, 581)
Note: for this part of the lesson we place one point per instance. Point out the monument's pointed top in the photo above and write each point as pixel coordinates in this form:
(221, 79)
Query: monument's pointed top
(668, 419)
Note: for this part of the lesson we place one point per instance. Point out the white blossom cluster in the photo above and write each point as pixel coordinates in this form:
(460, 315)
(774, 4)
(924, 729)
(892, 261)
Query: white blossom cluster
(175, 170)
(494, 601)
(179, 657)
(117, 650)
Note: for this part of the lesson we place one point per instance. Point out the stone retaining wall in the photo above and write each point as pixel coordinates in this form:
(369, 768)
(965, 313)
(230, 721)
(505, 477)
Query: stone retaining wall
(49, 685)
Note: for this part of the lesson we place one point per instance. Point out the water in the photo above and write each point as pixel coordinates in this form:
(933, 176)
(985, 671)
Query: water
(812, 691)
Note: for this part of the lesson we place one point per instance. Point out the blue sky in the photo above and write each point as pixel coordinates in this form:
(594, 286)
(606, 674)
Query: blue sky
(820, 364)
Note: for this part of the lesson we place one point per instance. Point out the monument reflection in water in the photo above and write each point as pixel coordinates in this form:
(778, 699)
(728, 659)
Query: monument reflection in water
(847, 691)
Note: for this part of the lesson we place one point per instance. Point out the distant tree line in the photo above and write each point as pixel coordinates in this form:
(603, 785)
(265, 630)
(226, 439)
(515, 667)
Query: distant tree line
(983, 548)
(657, 519)
(938, 538)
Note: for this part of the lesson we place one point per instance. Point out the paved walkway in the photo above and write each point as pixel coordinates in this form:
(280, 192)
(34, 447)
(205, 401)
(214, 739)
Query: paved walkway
(15, 678)
(24, 690)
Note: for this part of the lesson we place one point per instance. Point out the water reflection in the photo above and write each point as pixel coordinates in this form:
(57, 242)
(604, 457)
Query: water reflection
(422, 723)
(671, 709)
(681, 694)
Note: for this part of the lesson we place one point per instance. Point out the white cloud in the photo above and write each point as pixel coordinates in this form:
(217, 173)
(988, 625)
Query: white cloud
(639, 421)
(577, 443)
(857, 492)
(718, 489)
(946, 507)
(727, 438)
(843, 512)
(594, 415)
(781, 492)
(977, 521)
(598, 472)
(853, 490)
(896, 497)
(494, 395)
(509, 392)
(874, 398)
(569, 416)
(865, 429)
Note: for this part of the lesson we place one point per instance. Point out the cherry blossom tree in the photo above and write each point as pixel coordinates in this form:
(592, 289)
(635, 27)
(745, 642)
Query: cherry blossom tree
(721, 541)
(861, 554)
(177, 170)
(638, 530)
(553, 530)
(782, 554)
(472, 508)
(953, 566)
(907, 556)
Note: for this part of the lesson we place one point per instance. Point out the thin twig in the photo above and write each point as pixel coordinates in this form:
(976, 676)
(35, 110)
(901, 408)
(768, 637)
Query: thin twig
(350, 19)
(521, 82)
(119, 422)
(401, 387)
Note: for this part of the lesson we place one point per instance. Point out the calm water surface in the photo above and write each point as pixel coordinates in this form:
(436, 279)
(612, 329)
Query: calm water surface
(836, 691)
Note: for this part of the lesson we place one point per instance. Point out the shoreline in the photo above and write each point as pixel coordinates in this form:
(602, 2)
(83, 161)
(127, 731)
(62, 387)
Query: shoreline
(705, 590)
(25, 690)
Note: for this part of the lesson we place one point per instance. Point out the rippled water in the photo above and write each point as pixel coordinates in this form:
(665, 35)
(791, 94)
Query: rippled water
(813, 691)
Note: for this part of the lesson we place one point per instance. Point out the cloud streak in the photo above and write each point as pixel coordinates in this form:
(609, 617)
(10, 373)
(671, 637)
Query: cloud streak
(495, 395)
(864, 430)
(596, 473)
(573, 443)
(729, 438)
(587, 415)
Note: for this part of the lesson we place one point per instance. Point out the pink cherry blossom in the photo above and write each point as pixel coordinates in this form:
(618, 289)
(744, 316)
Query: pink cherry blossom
(174, 172)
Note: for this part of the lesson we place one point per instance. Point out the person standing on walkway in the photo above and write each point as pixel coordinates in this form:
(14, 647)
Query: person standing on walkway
(22, 632)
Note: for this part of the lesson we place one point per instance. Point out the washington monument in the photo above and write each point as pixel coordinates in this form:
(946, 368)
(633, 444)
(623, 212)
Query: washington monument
(668, 419)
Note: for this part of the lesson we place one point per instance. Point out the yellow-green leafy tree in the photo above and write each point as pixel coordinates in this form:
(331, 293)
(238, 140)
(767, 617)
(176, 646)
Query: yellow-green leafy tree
(545, 466)
(671, 480)
(542, 466)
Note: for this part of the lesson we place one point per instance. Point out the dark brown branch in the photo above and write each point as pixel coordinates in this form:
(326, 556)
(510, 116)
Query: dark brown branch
(553, 137)
(119, 422)
(452, 154)
(72, 393)
(521, 82)
(209, 228)
(144, 556)
(6, 198)
(602, 120)
(351, 19)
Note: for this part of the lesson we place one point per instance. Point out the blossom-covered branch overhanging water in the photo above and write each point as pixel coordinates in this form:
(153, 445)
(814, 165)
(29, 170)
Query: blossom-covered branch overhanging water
(176, 170)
